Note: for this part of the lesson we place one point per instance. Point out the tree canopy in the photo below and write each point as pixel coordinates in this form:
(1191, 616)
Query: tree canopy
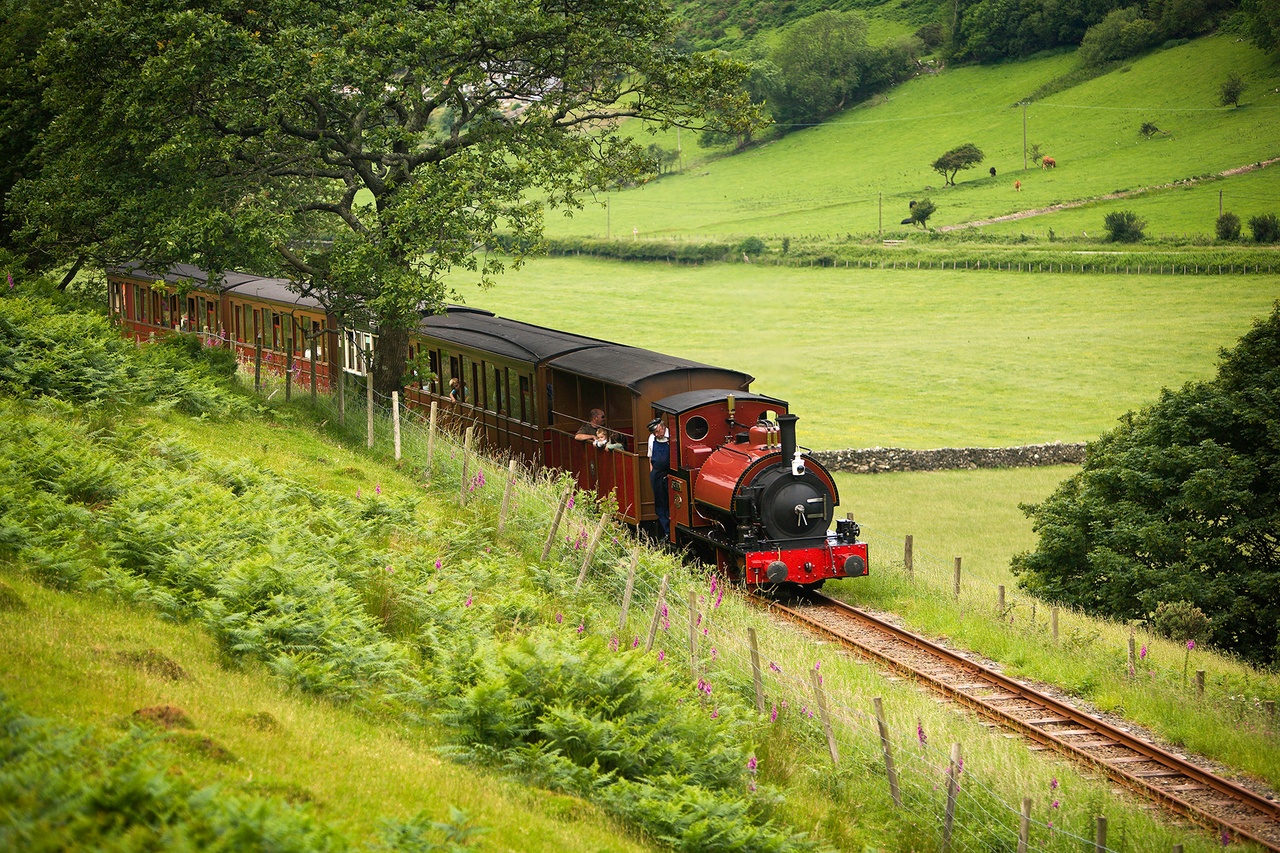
(1180, 503)
(961, 157)
(363, 149)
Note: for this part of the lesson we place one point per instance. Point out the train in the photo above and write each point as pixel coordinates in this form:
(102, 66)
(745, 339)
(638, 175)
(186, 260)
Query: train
(740, 491)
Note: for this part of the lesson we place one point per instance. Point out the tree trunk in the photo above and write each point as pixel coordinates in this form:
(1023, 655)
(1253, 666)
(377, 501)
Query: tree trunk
(390, 354)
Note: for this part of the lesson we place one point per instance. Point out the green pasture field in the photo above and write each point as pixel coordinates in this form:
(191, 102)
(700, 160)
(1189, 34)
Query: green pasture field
(1174, 213)
(908, 358)
(827, 180)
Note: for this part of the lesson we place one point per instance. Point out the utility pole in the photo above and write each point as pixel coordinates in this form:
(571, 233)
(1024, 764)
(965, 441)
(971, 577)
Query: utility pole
(1024, 136)
(881, 194)
(1219, 204)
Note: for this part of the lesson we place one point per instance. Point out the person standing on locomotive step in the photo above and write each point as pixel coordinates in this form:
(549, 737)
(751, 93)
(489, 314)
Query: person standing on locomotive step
(659, 467)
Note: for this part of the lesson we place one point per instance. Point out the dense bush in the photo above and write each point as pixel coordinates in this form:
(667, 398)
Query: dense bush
(1228, 227)
(1120, 35)
(1180, 503)
(1265, 228)
(1124, 226)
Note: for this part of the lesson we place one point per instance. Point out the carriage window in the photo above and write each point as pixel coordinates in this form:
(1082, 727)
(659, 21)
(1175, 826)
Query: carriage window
(434, 358)
(526, 400)
(493, 391)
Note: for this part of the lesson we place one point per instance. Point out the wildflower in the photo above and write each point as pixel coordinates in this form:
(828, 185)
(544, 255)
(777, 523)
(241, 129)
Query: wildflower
(635, 644)
(1225, 837)
(1055, 804)
(751, 786)
(920, 735)
(773, 666)
(10, 277)
(715, 712)
(719, 597)
(582, 626)
(1053, 784)
(357, 493)
(714, 654)
(468, 604)
(613, 644)
(662, 655)
(480, 478)
(1142, 655)
(666, 624)
(752, 764)
(437, 564)
(391, 570)
(714, 583)
(559, 618)
(1191, 644)
(570, 503)
(698, 621)
(377, 488)
(773, 714)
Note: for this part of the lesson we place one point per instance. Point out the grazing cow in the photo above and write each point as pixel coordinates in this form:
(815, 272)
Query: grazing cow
(993, 171)
(1017, 186)
(1048, 163)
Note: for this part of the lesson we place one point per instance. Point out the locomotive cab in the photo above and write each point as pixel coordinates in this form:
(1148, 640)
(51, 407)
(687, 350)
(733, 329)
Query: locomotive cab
(741, 487)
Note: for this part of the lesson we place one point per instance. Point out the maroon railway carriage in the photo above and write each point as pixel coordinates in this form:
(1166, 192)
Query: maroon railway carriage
(235, 314)
(740, 490)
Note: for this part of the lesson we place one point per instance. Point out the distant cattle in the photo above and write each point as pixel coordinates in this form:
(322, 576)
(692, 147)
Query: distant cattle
(1048, 163)
(993, 171)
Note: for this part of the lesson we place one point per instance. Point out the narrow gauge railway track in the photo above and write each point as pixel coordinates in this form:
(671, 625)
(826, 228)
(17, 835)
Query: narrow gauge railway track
(1199, 795)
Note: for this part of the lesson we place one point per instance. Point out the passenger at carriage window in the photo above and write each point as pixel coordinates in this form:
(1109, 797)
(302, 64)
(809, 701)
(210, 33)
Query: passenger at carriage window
(455, 390)
(659, 467)
(587, 432)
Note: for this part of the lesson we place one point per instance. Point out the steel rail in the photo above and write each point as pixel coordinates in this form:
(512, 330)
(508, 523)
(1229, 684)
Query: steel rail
(1265, 809)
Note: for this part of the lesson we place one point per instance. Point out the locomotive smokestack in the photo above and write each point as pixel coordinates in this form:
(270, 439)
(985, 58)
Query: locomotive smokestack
(787, 425)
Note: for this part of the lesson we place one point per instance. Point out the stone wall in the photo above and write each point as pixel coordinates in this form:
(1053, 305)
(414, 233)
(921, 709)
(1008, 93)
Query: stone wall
(880, 460)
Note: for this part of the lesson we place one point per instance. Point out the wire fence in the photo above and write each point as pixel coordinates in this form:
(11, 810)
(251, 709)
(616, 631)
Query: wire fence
(676, 613)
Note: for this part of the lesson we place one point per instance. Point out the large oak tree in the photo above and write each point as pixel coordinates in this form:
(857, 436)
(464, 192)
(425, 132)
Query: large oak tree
(363, 149)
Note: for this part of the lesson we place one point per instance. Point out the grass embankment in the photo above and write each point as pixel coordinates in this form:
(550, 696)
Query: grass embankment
(909, 358)
(832, 179)
(269, 546)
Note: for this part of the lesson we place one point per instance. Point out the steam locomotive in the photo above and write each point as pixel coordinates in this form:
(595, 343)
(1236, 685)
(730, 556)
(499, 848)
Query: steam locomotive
(741, 492)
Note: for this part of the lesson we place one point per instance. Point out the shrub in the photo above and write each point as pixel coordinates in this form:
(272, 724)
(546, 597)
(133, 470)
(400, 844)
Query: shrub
(1232, 89)
(1180, 621)
(1121, 34)
(753, 246)
(1124, 226)
(921, 211)
(1228, 226)
(1265, 228)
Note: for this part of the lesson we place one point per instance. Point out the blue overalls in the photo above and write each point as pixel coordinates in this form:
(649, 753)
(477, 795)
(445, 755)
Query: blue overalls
(661, 460)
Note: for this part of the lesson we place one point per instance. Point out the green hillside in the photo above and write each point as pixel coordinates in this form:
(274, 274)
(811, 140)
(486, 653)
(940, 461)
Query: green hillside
(828, 180)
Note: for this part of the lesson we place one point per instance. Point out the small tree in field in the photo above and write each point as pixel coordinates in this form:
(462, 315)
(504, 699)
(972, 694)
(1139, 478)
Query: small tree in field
(1232, 90)
(1036, 153)
(1265, 228)
(921, 212)
(1124, 226)
(1228, 227)
(962, 157)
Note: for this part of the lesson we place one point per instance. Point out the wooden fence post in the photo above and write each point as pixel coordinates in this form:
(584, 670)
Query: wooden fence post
(1024, 826)
(288, 363)
(908, 558)
(591, 550)
(342, 395)
(816, 681)
(755, 669)
(1100, 835)
(506, 492)
(314, 341)
(956, 584)
(257, 366)
(466, 459)
(368, 406)
(1053, 621)
(953, 789)
(1133, 655)
(431, 437)
(1270, 705)
(1000, 597)
(1177, 848)
(657, 613)
(631, 586)
(1200, 683)
(395, 421)
(555, 523)
(887, 746)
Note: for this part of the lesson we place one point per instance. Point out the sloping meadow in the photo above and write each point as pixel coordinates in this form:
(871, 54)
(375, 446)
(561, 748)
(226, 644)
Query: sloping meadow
(364, 596)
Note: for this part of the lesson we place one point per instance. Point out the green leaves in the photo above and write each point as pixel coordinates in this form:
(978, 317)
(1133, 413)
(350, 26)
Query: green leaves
(1181, 503)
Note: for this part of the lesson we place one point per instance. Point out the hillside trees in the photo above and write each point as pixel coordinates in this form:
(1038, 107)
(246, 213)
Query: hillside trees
(1180, 503)
(1121, 34)
(961, 157)
(1262, 22)
(822, 64)
(364, 149)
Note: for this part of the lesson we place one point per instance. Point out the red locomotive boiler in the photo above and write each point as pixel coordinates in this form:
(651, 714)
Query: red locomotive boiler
(741, 489)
